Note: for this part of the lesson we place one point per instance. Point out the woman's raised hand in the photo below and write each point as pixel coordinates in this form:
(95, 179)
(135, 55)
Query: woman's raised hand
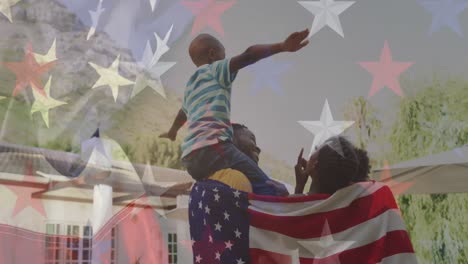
(301, 172)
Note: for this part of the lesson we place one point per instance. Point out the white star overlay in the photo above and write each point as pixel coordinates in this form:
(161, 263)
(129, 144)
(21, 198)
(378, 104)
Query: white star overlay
(43, 104)
(95, 15)
(151, 69)
(326, 13)
(153, 4)
(111, 77)
(149, 179)
(49, 56)
(5, 6)
(326, 246)
(325, 128)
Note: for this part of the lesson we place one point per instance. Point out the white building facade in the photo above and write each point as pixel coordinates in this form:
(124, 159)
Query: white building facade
(110, 212)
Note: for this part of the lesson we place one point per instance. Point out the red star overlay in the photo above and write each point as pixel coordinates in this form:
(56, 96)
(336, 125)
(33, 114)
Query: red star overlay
(397, 188)
(208, 14)
(23, 193)
(29, 71)
(386, 72)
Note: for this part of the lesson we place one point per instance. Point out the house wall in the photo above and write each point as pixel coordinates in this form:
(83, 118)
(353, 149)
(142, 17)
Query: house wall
(81, 214)
(181, 228)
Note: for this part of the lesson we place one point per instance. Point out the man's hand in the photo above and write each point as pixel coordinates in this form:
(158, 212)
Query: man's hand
(170, 135)
(296, 41)
(279, 187)
(301, 172)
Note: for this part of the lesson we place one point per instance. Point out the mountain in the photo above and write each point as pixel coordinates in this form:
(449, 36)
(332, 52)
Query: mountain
(135, 122)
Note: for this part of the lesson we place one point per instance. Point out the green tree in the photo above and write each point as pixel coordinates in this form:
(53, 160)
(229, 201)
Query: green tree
(156, 151)
(366, 124)
(432, 121)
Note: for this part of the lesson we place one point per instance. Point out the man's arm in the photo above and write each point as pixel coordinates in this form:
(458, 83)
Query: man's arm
(294, 42)
(179, 121)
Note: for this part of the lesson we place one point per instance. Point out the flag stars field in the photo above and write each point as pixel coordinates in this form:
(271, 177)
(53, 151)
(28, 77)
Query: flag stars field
(238, 233)
(229, 245)
(218, 227)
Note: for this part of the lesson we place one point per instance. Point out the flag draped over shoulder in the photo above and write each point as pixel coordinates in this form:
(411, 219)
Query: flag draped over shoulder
(358, 224)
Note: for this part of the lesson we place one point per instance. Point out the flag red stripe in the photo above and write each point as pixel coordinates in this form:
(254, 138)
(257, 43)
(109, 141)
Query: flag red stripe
(288, 199)
(260, 256)
(360, 210)
(392, 243)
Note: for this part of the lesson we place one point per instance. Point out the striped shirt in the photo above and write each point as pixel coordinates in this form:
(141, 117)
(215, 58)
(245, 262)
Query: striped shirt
(207, 104)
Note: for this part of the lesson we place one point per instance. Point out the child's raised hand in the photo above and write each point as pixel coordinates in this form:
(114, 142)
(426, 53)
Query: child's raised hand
(296, 41)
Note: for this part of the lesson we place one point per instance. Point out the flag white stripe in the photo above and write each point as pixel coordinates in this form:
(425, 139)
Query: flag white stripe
(341, 199)
(403, 258)
(361, 235)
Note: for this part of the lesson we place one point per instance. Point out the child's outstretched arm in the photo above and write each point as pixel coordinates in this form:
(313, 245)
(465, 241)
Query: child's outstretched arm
(179, 121)
(293, 43)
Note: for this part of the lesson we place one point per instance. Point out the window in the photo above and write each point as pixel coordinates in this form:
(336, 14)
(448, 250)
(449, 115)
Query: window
(52, 244)
(113, 246)
(172, 247)
(69, 244)
(72, 252)
(87, 244)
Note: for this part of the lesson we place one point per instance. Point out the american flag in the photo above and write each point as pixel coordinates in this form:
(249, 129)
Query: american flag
(358, 224)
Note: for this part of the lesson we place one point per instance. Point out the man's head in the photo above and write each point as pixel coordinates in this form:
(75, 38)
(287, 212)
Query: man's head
(245, 141)
(206, 49)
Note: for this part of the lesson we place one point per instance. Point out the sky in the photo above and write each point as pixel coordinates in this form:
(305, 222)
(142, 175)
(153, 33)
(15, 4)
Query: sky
(272, 96)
